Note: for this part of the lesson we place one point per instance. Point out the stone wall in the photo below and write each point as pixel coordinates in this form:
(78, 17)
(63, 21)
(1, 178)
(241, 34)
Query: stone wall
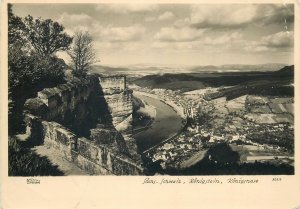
(113, 84)
(75, 104)
(54, 118)
(98, 158)
(100, 155)
(80, 104)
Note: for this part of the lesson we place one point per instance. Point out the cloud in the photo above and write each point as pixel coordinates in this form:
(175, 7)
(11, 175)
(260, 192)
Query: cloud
(74, 20)
(182, 23)
(163, 17)
(235, 37)
(127, 8)
(150, 19)
(171, 46)
(239, 15)
(276, 13)
(213, 16)
(254, 47)
(166, 16)
(171, 34)
(281, 41)
(77, 22)
(108, 33)
(120, 34)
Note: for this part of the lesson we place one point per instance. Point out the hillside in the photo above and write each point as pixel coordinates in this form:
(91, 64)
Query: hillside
(188, 82)
(238, 68)
(151, 69)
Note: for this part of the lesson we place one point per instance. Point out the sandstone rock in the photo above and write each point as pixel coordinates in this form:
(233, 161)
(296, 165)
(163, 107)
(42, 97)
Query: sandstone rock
(103, 135)
(35, 106)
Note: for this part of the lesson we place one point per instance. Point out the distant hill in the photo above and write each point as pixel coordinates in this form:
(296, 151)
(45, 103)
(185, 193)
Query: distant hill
(107, 69)
(237, 67)
(162, 69)
(286, 71)
(193, 81)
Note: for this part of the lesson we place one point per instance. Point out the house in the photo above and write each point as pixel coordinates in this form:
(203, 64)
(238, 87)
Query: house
(160, 156)
(235, 137)
(168, 146)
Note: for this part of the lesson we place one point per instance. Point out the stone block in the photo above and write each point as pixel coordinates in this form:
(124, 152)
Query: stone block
(94, 152)
(64, 93)
(84, 147)
(34, 129)
(103, 135)
(65, 136)
(35, 106)
(105, 157)
(91, 167)
(55, 132)
(65, 151)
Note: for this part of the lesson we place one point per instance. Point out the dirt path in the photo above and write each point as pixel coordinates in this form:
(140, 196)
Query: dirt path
(55, 157)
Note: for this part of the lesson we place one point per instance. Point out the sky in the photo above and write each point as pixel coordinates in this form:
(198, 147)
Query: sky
(178, 34)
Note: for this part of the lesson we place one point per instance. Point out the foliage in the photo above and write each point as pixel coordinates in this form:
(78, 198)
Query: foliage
(280, 138)
(15, 27)
(32, 64)
(222, 153)
(24, 162)
(45, 36)
(203, 116)
(256, 168)
(32, 44)
(82, 53)
(220, 159)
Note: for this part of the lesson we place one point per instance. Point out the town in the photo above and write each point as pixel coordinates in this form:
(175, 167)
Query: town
(258, 128)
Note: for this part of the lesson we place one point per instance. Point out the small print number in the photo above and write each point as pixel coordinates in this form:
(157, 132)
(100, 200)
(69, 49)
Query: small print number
(276, 179)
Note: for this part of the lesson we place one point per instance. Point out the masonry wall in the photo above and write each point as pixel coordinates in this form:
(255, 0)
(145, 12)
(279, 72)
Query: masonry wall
(113, 84)
(75, 104)
(53, 115)
(100, 155)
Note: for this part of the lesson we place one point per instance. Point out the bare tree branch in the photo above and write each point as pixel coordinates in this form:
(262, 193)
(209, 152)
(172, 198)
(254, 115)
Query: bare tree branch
(82, 53)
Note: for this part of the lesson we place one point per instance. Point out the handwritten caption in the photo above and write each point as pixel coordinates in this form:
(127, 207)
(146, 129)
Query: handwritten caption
(197, 180)
(192, 180)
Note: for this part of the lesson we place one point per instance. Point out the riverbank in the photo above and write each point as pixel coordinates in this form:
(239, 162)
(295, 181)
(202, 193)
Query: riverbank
(166, 124)
(179, 110)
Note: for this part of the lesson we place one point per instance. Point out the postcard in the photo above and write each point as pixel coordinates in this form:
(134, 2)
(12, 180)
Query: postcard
(164, 104)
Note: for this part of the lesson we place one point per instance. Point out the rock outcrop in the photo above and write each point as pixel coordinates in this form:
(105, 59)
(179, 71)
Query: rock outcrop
(119, 100)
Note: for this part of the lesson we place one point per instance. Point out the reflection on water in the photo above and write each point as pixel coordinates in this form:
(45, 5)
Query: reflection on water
(166, 124)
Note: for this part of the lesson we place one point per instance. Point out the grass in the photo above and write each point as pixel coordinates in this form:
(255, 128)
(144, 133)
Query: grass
(24, 162)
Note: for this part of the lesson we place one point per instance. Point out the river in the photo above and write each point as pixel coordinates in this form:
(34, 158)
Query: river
(166, 124)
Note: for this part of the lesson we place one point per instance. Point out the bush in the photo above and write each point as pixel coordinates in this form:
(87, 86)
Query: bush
(27, 76)
(24, 162)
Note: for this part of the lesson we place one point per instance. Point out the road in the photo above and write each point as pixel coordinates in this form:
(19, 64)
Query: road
(166, 124)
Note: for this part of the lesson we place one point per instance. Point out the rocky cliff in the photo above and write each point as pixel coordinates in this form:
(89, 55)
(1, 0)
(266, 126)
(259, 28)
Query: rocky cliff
(119, 101)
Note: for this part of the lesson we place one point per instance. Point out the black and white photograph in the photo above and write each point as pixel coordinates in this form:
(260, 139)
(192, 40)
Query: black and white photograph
(167, 89)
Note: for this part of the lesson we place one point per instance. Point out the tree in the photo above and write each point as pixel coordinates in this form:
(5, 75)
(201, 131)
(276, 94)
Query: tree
(31, 52)
(15, 26)
(45, 36)
(82, 53)
(19, 62)
(32, 64)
